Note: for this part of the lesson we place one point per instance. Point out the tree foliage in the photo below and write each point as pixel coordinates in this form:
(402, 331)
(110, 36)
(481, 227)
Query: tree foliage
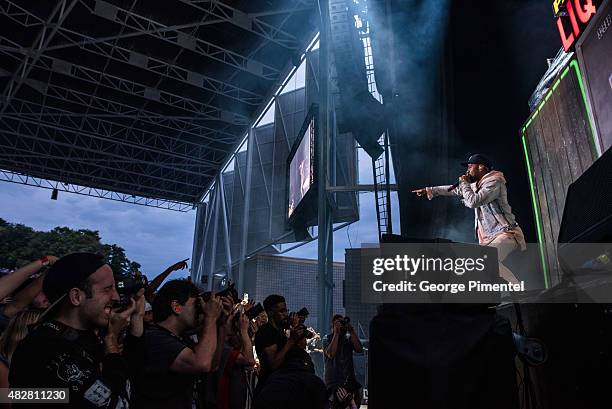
(20, 244)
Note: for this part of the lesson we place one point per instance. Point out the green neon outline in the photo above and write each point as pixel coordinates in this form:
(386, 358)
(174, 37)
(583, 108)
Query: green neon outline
(573, 64)
(536, 207)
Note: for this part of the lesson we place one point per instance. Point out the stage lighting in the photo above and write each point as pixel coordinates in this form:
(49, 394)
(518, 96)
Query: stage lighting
(54, 194)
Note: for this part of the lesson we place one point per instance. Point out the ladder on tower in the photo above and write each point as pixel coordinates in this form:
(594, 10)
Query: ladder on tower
(382, 191)
(380, 166)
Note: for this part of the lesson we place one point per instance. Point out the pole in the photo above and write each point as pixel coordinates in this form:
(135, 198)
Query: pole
(325, 228)
(247, 206)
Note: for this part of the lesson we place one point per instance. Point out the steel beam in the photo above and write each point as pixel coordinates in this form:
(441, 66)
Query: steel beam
(92, 123)
(248, 22)
(119, 108)
(171, 34)
(151, 64)
(358, 188)
(112, 133)
(82, 166)
(20, 15)
(174, 123)
(77, 177)
(44, 37)
(74, 140)
(247, 207)
(134, 177)
(133, 88)
(108, 142)
(226, 235)
(325, 275)
(18, 178)
(215, 215)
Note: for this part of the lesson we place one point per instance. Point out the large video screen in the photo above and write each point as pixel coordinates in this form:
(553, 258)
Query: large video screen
(300, 170)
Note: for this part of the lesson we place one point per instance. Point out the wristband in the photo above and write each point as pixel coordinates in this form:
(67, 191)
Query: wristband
(45, 261)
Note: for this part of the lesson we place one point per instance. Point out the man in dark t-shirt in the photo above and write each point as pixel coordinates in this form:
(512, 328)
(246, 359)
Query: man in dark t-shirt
(64, 351)
(271, 343)
(172, 363)
(294, 385)
(267, 336)
(156, 382)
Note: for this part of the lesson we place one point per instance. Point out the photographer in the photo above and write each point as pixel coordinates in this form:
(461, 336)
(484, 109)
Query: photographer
(294, 385)
(271, 343)
(227, 387)
(339, 347)
(172, 362)
(65, 351)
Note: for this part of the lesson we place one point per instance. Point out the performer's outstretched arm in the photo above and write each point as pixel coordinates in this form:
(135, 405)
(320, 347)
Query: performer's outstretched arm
(433, 191)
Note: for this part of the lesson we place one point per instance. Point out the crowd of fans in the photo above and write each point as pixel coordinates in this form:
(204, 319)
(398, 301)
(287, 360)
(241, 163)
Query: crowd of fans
(120, 342)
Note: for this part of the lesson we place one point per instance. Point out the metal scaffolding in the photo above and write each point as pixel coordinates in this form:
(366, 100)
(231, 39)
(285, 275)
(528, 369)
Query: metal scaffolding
(147, 100)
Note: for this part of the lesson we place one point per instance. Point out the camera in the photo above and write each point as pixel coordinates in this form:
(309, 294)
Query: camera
(229, 291)
(127, 287)
(255, 311)
(344, 323)
(307, 334)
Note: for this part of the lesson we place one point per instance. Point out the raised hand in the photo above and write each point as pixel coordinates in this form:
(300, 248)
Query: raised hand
(245, 322)
(212, 308)
(337, 326)
(139, 300)
(181, 265)
(227, 304)
(118, 321)
(296, 334)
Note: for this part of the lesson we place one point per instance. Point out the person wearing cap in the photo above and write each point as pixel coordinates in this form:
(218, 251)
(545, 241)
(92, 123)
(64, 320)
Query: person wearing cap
(76, 344)
(483, 189)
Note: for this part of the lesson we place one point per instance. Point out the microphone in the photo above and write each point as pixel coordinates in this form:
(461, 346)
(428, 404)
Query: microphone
(454, 186)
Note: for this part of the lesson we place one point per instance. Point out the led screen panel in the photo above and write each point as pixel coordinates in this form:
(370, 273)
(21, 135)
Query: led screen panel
(300, 170)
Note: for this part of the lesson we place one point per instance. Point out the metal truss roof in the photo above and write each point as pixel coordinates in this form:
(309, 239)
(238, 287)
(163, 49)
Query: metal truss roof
(146, 98)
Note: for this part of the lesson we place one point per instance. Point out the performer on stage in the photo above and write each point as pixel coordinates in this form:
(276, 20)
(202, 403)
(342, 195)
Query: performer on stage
(484, 190)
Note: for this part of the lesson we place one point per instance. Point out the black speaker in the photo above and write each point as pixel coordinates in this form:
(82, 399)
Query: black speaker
(585, 235)
(357, 111)
(587, 215)
(442, 357)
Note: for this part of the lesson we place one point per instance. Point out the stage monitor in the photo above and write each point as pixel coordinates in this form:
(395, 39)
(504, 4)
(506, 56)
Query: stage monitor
(301, 171)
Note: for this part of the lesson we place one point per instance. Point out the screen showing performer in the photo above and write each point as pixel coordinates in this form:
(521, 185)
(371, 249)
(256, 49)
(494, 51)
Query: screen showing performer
(300, 172)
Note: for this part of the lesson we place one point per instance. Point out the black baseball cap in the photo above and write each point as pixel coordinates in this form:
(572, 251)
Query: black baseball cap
(478, 159)
(69, 272)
